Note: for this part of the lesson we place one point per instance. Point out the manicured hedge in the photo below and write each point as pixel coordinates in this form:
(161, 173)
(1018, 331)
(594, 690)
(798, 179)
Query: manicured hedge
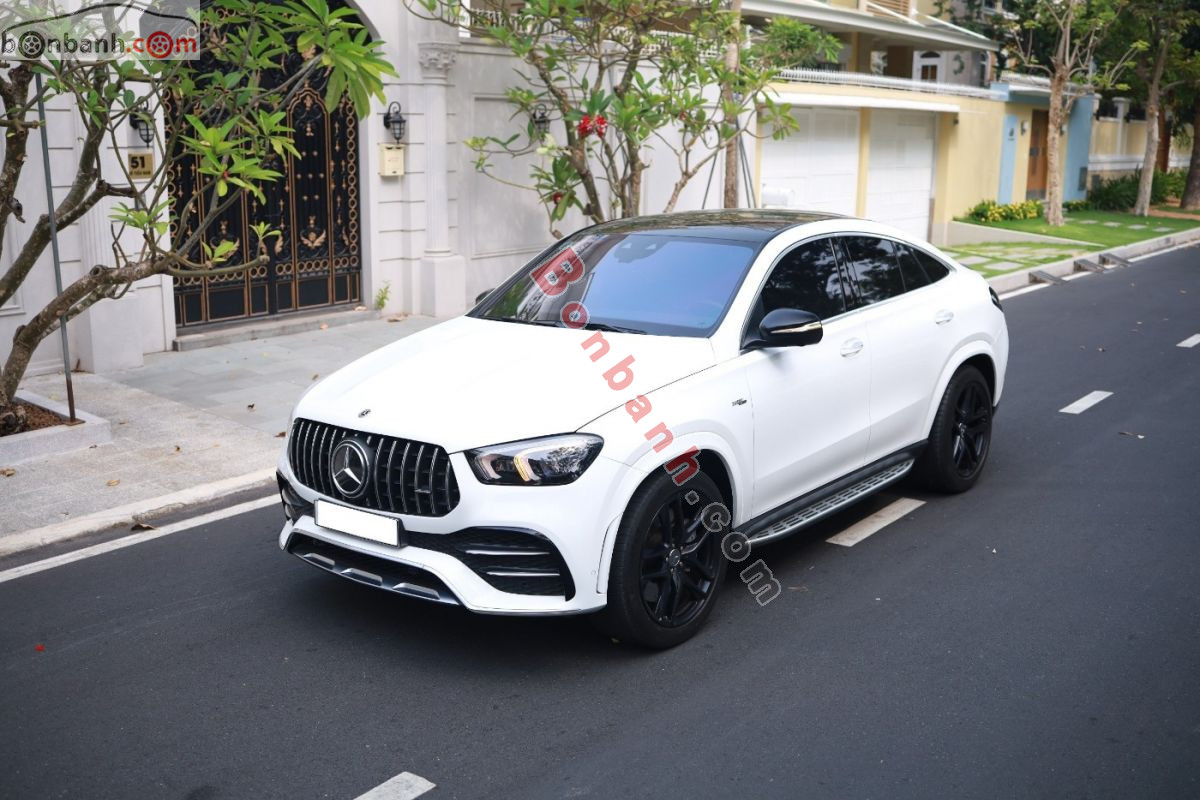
(991, 211)
(1120, 194)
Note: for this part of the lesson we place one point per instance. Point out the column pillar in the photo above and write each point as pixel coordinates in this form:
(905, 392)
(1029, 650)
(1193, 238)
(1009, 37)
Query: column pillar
(442, 284)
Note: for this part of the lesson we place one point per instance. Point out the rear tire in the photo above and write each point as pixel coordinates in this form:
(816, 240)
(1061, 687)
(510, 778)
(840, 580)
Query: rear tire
(960, 437)
(667, 565)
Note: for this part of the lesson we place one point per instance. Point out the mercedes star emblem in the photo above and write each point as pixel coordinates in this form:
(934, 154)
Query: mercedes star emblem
(350, 466)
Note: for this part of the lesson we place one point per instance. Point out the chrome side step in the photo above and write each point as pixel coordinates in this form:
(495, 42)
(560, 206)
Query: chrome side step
(834, 502)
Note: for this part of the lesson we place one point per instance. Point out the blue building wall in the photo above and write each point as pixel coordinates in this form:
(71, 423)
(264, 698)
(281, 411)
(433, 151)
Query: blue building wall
(1008, 159)
(1079, 142)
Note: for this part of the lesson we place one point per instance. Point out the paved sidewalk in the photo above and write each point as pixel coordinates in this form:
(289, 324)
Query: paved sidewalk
(183, 420)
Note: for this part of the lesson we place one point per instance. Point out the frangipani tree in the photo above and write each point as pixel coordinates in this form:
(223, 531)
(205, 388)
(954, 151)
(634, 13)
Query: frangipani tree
(1064, 39)
(224, 110)
(625, 82)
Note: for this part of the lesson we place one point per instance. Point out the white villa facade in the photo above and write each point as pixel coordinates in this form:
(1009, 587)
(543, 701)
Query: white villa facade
(884, 132)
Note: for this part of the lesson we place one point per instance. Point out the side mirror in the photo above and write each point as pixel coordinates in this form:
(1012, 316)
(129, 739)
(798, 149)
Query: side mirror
(479, 297)
(790, 327)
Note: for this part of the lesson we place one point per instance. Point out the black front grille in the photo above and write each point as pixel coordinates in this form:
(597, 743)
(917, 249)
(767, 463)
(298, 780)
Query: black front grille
(511, 560)
(407, 477)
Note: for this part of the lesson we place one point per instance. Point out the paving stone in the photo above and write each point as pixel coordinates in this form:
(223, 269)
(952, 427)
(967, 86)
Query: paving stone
(1162, 230)
(1005, 265)
(971, 261)
(1087, 221)
(1113, 225)
(1137, 227)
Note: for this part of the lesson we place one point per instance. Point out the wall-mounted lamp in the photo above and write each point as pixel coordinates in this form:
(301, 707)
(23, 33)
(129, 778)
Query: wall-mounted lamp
(956, 119)
(1024, 127)
(141, 121)
(540, 119)
(395, 122)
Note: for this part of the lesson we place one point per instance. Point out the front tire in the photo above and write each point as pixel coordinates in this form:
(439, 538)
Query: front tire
(961, 435)
(667, 565)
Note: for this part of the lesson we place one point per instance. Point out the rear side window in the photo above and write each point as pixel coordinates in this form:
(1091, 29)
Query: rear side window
(806, 278)
(914, 275)
(934, 268)
(874, 265)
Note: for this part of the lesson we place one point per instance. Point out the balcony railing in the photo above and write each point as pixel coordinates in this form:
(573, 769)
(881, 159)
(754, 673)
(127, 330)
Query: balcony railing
(804, 75)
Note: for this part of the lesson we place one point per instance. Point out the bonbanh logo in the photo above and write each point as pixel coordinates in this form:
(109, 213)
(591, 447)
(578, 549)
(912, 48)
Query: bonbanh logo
(32, 44)
(99, 31)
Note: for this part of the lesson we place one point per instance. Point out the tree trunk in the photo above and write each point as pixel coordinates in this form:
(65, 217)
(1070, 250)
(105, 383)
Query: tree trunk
(1191, 191)
(1150, 159)
(92, 287)
(732, 59)
(1054, 211)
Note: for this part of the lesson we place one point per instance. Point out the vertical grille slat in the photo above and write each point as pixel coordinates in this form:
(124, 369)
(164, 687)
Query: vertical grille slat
(387, 477)
(417, 477)
(407, 477)
(309, 452)
(404, 477)
(379, 474)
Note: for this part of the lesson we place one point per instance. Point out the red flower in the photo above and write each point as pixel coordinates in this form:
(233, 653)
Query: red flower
(584, 127)
(557, 197)
(600, 124)
(39, 647)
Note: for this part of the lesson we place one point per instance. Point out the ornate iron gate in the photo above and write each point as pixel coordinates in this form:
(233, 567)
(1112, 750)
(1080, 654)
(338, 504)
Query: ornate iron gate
(317, 260)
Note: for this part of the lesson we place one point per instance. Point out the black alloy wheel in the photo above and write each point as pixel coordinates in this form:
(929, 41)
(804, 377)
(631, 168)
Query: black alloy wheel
(961, 435)
(679, 560)
(972, 428)
(667, 565)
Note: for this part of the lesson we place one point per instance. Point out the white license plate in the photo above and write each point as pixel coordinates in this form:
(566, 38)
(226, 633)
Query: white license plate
(362, 524)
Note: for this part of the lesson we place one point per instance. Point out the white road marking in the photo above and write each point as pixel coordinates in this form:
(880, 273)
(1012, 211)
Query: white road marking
(1076, 275)
(404, 786)
(103, 520)
(1190, 341)
(1084, 403)
(137, 538)
(1024, 290)
(876, 522)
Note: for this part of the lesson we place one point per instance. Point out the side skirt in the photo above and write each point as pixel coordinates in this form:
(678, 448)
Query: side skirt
(807, 509)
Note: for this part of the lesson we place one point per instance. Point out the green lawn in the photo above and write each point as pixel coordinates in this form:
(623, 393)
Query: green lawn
(997, 258)
(1101, 228)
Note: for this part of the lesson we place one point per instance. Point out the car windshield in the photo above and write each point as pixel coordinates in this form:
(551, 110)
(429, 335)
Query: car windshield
(656, 282)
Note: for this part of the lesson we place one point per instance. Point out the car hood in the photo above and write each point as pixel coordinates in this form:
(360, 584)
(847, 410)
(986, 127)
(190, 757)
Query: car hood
(471, 382)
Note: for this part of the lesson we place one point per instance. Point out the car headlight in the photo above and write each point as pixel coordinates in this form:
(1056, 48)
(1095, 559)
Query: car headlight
(549, 461)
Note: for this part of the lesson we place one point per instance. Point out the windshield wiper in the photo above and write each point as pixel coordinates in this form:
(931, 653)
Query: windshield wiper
(604, 326)
(552, 323)
(543, 322)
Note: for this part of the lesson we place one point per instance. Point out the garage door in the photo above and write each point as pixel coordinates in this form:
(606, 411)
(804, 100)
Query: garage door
(815, 168)
(900, 174)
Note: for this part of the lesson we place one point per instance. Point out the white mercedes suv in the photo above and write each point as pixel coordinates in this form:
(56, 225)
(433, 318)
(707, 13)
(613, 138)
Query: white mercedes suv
(591, 434)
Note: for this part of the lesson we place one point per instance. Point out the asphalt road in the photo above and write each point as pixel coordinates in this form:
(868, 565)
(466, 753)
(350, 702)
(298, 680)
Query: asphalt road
(1036, 637)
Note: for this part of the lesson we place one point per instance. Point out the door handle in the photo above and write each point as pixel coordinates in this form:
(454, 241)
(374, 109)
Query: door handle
(943, 316)
(851, 347)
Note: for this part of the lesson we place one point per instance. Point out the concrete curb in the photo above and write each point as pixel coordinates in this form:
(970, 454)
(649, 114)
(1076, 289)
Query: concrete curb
(965, 234)
(1023, 277)
(55, 439)
(130, 513)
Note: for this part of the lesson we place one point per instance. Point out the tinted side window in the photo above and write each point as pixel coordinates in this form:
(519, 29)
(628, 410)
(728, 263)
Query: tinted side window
(935, 269)
(806, 278)
(875, 268)
(910, 268)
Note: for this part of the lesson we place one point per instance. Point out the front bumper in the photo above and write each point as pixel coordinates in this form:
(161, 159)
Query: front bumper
(575, 519)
